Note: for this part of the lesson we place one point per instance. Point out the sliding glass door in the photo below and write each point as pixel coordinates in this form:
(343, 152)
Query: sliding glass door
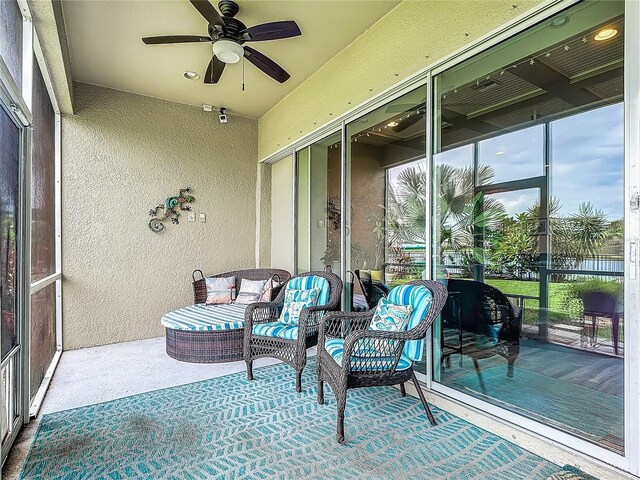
(386, 193)
(12, 234)
(508, 177)
(528, 224)
(30, 250)
(319, 205)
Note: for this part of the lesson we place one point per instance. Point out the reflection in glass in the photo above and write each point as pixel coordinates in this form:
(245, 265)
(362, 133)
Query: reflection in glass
(9, 182)
(319, 205)
(528, 225)
(512, 156)
(386, 190)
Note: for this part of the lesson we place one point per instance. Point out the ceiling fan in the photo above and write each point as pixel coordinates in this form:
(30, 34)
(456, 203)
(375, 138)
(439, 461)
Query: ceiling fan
(228, 36)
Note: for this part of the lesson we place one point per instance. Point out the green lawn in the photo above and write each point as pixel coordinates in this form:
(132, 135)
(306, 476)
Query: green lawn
(559, 311)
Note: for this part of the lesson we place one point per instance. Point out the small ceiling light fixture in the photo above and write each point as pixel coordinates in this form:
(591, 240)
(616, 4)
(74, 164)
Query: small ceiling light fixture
(189, 75)
(392, 124)
(559, 22)
(228, 51)
(605, 34)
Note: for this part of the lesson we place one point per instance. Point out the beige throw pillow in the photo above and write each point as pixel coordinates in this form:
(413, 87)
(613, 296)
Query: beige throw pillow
(219, 290)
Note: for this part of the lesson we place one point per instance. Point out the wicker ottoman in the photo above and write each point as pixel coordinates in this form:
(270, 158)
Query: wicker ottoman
(205, 334)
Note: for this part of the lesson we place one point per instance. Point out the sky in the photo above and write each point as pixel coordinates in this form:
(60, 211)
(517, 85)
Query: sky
(587, 161)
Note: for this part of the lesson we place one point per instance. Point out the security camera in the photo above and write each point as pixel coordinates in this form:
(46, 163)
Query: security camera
(223, 116)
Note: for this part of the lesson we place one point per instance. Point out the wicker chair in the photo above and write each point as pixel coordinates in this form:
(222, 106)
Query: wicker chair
(291, 350)
(373, 291)
(387, 357)
(488, 323)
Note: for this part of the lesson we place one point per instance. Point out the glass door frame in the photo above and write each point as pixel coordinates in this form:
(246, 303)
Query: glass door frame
(294, 152)
(12, 103)
(630, 461)
(18, 103)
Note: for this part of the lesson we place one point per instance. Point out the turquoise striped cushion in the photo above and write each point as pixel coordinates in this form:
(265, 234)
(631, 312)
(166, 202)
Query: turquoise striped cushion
(202, 317)
(276, 329)
(309, 282)
(335, 348)
(419, 298)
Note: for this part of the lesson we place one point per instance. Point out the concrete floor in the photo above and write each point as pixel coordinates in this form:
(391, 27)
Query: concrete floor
(100, 374)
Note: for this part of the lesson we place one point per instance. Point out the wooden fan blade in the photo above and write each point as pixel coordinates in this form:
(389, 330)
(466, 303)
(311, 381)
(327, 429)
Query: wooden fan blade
(265, 64)
(175, 39)
(272, 31)
(407, 122)
(214, 70)
(209, 12)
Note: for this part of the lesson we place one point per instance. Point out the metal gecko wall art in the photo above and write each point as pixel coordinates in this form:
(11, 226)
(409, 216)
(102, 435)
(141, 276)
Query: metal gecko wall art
(170, 206)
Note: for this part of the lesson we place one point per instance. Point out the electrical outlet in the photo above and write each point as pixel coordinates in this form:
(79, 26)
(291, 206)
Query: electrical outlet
(191, 216)
(203, 218)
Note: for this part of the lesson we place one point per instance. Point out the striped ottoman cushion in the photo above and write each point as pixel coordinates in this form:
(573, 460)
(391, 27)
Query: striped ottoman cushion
(202, 317)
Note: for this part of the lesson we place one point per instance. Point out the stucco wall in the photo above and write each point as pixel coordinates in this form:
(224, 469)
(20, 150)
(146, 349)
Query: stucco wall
(263, 215)
(409, 38)
(122, 154)
(282, 214)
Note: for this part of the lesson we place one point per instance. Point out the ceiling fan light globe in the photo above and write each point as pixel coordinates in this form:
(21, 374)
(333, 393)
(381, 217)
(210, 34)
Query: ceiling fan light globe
(228, 51)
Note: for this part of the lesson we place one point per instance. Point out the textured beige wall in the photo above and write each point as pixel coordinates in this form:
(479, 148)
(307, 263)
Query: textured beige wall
(409, 38)
(122, 154)
(263, 215)
(282, 214)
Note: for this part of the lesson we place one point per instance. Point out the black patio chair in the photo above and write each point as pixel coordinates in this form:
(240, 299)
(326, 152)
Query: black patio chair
(488, 323)
(373, 291)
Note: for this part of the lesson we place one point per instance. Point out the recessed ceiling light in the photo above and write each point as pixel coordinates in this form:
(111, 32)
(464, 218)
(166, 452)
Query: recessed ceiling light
(499, 152)
(392, 124)
(189, 75)
(605, 34)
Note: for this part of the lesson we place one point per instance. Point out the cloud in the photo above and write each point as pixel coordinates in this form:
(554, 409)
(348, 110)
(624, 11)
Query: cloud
(586, 160)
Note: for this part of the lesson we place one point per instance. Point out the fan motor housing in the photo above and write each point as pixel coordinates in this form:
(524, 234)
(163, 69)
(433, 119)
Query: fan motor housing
(229, 8)
(234, 27)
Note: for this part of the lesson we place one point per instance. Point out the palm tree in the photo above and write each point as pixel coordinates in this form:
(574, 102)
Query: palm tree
(407, 207)
(460, 213)
(580, 235)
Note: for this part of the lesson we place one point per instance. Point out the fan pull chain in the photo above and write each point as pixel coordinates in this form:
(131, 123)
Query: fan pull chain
(243, 73)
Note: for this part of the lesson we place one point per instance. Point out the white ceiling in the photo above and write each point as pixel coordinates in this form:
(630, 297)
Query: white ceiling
(106, 47)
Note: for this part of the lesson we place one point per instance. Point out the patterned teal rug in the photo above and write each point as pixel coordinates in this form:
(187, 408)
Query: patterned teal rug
(229, 428)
